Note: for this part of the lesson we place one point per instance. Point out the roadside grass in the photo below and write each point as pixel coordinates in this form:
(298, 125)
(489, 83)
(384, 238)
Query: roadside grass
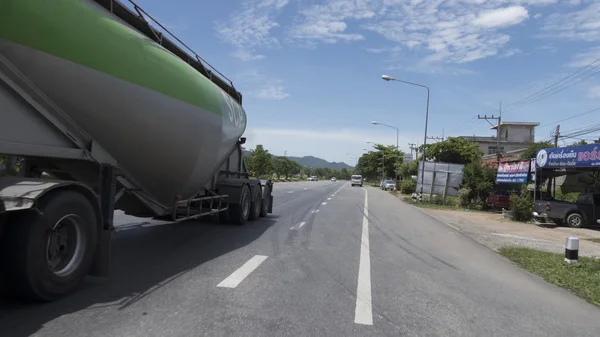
(435, 203)
(596, 240)
(583, 278)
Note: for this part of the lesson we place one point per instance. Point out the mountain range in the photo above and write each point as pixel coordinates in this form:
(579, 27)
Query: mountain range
(311, 161)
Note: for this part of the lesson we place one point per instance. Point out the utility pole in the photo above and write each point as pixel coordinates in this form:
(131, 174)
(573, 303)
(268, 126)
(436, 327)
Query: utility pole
(556, 135)
(499, 119)
(413, 147)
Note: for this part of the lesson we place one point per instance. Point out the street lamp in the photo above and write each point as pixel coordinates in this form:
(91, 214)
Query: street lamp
(397, 137)
(390, 78)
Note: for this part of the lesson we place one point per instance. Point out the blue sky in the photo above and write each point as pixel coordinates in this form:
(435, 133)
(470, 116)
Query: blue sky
(310, 70)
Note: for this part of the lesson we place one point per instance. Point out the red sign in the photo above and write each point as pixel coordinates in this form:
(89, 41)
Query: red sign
(514, 167)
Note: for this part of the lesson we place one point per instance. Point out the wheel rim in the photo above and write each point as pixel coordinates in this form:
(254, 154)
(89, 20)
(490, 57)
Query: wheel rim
(575, 220)
(65, 245)
(245, 206)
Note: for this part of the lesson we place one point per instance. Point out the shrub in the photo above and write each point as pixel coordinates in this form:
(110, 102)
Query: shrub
(409, 186)
(464, 197)
(521, 205)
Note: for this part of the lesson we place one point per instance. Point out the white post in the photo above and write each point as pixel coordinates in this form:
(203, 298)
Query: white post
(572, 249)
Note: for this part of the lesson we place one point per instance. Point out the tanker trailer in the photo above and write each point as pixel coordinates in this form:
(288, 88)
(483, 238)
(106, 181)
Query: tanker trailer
(107, 112)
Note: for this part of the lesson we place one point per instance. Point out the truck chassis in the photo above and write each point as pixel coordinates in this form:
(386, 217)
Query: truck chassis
(55, 231)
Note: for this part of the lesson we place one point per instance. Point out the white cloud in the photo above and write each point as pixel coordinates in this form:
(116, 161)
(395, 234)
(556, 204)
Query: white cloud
(325, 23)
(510, 52)
(586, 57)
(251, 27)
(450, 31)
(581, 24)
(247, 55)
(261, 86)
(501, 17)
(394, 49)
(331, 144)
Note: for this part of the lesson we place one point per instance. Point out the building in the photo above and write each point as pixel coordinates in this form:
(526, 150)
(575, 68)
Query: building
(513, 136)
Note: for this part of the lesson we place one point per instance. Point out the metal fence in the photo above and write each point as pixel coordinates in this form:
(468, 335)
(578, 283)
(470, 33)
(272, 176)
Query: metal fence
(440, 179)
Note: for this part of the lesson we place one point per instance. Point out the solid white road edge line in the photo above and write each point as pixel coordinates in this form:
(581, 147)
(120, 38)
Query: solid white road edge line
(239, 275)
(363, 314)
(297, 226)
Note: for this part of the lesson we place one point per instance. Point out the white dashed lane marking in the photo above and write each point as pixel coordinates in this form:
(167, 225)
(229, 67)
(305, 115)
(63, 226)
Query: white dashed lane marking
(239, 275)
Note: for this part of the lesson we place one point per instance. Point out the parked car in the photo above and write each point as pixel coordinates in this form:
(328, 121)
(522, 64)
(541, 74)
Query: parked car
(356, 179)
(501, 199)
(583, 212)
(388, 185)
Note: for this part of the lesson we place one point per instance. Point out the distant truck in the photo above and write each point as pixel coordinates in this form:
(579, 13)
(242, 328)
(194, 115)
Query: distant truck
(121, 118)
(584, 212)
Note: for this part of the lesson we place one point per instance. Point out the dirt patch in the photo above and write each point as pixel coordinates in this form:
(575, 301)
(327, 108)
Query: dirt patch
(496, 232)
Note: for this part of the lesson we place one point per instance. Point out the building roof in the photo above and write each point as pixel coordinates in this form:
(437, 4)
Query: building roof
(493, 127)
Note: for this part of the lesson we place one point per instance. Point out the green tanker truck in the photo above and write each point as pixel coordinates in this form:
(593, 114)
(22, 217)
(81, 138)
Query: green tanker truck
(121, 115)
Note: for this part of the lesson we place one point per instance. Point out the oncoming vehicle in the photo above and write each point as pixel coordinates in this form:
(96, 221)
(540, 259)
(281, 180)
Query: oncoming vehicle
(333, 180)
(356, 179)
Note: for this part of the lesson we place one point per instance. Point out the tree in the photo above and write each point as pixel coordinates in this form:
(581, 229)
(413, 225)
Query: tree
(407, 170)
(345, 174)
(381, 162)
(581, 142)
(453, 150)
(531, 149)
(479, 180)
(260, 161)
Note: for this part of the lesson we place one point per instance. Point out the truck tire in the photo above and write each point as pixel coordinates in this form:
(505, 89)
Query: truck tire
(239, 212)
(47, 255)
(266, 200)
(256, 204)
(575, 220)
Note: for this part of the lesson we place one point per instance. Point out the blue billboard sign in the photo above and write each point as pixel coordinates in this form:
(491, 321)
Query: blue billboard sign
(569, 157)
(513, 172)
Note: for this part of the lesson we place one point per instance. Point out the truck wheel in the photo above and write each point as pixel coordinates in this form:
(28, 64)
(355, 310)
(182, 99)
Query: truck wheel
(48, 254)
(264, 208)
(256, 205)
(575, 220)
(240, 212)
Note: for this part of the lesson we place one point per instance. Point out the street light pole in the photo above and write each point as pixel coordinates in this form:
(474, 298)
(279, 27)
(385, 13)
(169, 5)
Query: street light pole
(397, 143)
(389, 78)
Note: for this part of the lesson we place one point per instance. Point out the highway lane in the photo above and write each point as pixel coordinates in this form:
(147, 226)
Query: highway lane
(298, 273)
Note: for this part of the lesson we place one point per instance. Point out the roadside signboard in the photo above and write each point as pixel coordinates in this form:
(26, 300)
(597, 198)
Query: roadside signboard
(569, 157)
(516, 172)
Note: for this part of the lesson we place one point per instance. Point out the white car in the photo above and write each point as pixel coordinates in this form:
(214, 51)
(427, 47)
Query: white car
(333, 180)
(356, 179)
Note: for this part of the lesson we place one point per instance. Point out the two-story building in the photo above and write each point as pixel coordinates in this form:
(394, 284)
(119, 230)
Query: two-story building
(513, 136)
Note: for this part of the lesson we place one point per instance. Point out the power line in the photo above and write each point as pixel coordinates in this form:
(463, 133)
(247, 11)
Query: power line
(555, 87)
(568, 118)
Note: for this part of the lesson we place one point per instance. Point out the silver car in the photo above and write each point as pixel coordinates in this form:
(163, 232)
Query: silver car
(388, 185)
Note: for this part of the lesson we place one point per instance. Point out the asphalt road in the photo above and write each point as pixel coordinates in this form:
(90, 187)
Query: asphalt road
(323, 263)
